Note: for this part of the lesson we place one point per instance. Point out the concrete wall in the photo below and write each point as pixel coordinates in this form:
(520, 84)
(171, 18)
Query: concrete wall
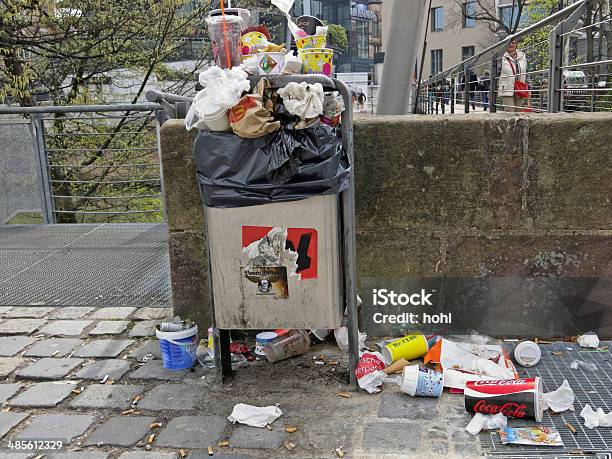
(493, 197)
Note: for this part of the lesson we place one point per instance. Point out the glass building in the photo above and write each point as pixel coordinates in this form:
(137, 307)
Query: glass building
(360, 18)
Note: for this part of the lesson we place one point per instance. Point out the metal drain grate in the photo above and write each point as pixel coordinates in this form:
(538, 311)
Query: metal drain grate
(84, 265)
(593, 388)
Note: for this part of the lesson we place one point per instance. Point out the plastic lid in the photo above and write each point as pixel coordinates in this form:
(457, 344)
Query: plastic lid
(219, 19)
(527, 353)
(266, 336)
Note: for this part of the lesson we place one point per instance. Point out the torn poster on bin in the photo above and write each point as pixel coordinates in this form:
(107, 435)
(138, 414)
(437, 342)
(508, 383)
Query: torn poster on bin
(272, 255)
(464, 362)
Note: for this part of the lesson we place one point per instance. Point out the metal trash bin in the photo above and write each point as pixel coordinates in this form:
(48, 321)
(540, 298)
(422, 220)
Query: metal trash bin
(276, 265)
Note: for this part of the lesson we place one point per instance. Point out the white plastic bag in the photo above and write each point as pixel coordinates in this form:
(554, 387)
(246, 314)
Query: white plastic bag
(193, 116)
(224, 87)
(597, 418)
(303, 99)
(256, 416)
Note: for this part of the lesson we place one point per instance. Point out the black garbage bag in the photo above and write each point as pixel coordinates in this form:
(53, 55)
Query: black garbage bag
(287, 165)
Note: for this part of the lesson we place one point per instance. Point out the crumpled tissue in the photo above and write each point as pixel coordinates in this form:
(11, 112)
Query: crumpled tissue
(303, 99)
(486, 422)
(224, 87)
(559, 400)
(589, 339)
(597, 418)
(256, 416)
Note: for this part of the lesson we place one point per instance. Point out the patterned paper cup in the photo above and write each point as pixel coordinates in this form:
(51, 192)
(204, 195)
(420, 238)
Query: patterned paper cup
(311, 41)
(317, 61)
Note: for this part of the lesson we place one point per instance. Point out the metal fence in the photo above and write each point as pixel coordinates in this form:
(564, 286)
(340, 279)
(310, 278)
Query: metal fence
(93, 163)
(562, 74)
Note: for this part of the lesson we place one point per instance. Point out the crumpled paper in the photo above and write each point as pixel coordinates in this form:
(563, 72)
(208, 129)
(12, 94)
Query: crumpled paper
(341, 335)
(369, 371)
(589, 339)
(490, 368)
(486, 422)
(597, 418)
(559, 400)
(256, 416)
(303, 99)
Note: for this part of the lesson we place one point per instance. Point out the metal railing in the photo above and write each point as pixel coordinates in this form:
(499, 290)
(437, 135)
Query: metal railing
(97, 163)
(559, 76)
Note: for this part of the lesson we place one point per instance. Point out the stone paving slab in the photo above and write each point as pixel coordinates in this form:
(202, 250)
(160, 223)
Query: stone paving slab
(10, 454)
(106, 396)
(152, 455)
(24, 312)
(113, 313)
(154, 369)
(258, 438)
(121, 431)
(78, 455)
(392, 437)
(10, 420)
(152, 313)
(48, 347)
(144, 328)
(65, 327)
(399, 405)
(71, 312)
(221, 455)
(20, 326)
(319, 436)
(5, 309)
(49, 368)
(103, 348)
(11, 345)
(8, 390)
(43, 395)
(109, 327)
(114, 368)
(172, 397)
(8, 365)
(198, 432)
(63, 427)
(149, 347)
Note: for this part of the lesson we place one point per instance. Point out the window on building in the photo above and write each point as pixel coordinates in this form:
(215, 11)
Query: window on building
(375, 28)
(469, 10)
(360, 28)
(466, 52)
(437, 19)
(436, 61)
(508, 15)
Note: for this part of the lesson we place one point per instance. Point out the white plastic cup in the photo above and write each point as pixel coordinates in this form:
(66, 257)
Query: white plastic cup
(215, 118)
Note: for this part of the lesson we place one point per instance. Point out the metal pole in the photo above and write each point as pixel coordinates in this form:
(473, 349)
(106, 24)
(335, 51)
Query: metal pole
(160, 118)
(452, 94)
(593, 79)
(37, 128)
(555, 72)
(466, 89)
(404, 34)
(493, 85)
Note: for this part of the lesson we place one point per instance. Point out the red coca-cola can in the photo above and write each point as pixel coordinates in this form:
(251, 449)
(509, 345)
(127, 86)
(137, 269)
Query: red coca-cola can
(516, 398)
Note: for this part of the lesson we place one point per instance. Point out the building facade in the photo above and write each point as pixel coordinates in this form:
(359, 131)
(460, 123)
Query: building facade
(362, 20)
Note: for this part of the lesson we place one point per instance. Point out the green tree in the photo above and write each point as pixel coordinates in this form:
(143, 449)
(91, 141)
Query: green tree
(63, 50)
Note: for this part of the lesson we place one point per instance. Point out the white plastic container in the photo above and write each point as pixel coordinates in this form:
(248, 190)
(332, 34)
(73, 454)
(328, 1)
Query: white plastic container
(215, 117)
(527, 353)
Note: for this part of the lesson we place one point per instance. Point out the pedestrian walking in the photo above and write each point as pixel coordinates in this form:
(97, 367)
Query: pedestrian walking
(472, 87)
(513, 89)
(484, 84)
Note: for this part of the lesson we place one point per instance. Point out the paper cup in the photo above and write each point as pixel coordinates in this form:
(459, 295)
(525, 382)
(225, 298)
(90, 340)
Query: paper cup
(422, 382)
(262, 339)
(317, 61)
(311, 41)
(270, 63)
(408, 347)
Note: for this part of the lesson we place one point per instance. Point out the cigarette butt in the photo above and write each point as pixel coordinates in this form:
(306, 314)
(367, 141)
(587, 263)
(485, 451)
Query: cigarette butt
(110, 381)
(126, 412)
(150, 439)
(155, 425)
(104, 379)
(76, 391)
(223, 443)
(55, 353)
(536, 340)
(211, 451)
(339, 452)
(289, 446)
(268, 426)
(557, 353)
(571, 428)
(136, 399)
(333, 362)
(344, 394)
(319, 362)
(290, 429)
(7, 409)
(182, 453)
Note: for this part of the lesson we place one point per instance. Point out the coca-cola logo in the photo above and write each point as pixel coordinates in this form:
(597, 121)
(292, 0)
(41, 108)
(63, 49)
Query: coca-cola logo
(502, 386)
(509, 409)
(501, 382)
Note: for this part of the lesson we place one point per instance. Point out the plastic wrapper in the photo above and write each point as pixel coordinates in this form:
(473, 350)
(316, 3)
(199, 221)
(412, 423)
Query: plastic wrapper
(254, 416)
(588, 366)
(593, 419)
(234, 172)
(559, 400)
(486, 422)
(535, 436)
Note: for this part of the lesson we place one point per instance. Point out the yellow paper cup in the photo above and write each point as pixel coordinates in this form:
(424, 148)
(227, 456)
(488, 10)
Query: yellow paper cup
(318, 61)
(311, 41)
(408, 347)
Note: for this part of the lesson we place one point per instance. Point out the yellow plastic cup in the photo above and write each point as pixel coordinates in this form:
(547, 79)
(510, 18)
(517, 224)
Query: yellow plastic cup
(408, 347)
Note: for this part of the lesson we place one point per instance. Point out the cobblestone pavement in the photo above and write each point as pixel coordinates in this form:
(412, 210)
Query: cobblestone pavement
(52, 362)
